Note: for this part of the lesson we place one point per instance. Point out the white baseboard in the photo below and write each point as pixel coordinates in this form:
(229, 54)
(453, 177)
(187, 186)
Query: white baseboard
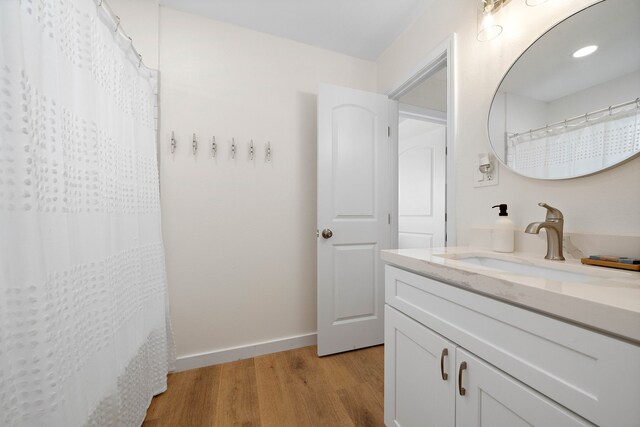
(201, 360)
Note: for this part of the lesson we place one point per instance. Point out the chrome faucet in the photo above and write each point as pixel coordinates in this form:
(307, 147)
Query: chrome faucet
(554, 223)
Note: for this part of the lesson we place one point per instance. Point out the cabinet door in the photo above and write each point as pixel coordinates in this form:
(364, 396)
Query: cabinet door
(494, 399)
(416, 363)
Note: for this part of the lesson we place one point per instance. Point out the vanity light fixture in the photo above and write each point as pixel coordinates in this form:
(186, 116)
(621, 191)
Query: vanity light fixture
(487, 170)
(484, 163)
(487, 27)
(535, 2)
(584, 51)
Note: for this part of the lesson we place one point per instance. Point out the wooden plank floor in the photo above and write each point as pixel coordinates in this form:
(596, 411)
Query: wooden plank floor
(291, 388)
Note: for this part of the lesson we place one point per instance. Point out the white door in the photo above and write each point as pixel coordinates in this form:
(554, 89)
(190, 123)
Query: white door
(354, 207)
(421, 184)
(493, 398)
(419, 377)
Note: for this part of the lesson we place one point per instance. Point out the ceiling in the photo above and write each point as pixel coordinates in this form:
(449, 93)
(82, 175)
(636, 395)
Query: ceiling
(547, 71)
(359, 28)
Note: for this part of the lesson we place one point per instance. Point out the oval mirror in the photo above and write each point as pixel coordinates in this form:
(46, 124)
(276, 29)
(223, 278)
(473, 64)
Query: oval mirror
(569, 106)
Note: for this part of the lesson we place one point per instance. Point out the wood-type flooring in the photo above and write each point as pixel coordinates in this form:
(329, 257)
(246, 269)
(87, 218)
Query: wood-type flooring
(292, 388)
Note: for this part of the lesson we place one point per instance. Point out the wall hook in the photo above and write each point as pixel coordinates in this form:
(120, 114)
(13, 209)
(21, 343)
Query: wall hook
(251, 150)
(214, 147)
(233, 148)
(173, 142)
(194, 145)
(268, 152)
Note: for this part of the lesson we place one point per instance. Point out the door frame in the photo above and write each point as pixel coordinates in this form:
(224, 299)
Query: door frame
(443, 54)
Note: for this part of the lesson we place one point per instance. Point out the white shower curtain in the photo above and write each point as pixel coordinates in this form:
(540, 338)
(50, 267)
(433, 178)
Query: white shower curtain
(84, 331)
(570, 152)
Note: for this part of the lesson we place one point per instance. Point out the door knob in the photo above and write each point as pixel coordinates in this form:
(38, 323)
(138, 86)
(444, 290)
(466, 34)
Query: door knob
(326, 233)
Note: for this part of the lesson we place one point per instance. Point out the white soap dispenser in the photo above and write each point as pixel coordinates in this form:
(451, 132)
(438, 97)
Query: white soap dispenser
(502, 233)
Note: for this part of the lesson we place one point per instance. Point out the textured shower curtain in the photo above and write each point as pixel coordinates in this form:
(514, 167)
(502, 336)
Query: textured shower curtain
(84, 331)
(569, 152)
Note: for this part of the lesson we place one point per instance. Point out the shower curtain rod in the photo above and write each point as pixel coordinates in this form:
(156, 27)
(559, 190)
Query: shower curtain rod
(115, 19)
(581, 116)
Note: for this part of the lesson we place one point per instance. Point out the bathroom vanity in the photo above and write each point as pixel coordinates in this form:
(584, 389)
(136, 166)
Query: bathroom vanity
(480, 338)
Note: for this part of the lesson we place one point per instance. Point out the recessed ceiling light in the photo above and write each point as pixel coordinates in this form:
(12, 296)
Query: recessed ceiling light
(587, 50)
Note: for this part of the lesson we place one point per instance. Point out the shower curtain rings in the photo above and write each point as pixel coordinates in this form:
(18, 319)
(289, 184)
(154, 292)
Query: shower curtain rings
(117, 25)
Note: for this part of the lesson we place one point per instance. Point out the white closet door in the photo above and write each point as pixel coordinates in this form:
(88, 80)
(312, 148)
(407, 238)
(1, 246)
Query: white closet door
(421, 185)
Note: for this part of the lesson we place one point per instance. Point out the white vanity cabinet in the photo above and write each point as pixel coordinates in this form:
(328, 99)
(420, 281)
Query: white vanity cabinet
(419, 379)
(429, 381)
(516, 367)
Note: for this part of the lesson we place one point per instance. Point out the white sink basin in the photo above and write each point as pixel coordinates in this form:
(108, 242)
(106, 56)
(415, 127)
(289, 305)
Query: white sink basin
(524, 269)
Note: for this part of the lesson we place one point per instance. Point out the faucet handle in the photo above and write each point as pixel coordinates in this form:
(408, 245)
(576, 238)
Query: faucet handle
(552, 213)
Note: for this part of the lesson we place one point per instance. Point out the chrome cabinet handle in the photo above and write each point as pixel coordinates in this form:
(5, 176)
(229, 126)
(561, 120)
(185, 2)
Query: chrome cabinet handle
(326, 233)
(445, 352)
(461, 390)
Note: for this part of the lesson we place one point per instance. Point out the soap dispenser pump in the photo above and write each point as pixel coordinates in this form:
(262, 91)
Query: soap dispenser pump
(502, 233)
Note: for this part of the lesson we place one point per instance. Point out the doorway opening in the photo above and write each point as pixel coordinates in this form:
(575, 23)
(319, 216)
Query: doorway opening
(424, 154)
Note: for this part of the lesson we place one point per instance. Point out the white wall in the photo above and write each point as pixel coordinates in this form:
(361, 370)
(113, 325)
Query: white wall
(617, 91)
(240, 236)
(524, 113)
(591, 204)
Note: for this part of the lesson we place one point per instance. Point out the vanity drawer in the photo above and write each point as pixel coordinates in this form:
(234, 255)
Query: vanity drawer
(591, 374)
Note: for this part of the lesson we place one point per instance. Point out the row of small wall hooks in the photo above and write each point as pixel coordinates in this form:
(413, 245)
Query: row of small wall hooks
(214, 147)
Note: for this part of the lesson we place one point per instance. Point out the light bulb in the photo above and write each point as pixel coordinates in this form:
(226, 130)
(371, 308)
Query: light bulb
(488, 30)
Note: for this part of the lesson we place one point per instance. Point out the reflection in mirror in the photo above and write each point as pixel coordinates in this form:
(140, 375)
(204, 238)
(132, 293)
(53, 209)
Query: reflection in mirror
(561, 112)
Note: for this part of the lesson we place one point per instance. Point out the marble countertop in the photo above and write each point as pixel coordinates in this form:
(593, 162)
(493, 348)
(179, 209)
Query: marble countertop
(604, 299)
